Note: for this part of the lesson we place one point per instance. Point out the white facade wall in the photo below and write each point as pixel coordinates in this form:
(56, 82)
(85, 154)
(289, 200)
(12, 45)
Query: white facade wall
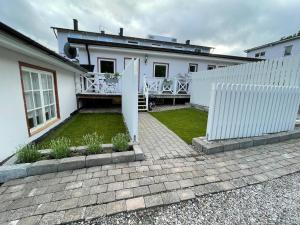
(277, 50)
(13, 129)
(176, 65)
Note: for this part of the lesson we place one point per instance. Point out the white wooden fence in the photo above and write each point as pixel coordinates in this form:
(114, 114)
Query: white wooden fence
(238, 110)
(278, 72)
(130, 98)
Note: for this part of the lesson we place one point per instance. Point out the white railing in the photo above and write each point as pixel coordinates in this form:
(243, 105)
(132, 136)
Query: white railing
(174, 86)
(99, 83)
(130, 98)
(238, 110)
(278, 72)
(146, 94)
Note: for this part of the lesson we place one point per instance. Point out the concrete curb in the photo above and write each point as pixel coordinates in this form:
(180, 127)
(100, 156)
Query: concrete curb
(13, 171)
(211, 147)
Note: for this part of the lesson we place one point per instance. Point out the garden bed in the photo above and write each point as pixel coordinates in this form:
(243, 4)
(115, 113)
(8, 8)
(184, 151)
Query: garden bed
(12, 170)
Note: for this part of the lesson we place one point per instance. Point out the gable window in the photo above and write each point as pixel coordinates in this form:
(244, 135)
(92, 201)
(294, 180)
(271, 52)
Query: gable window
(256, 55)
(211, 67)
(193, 67)
(39, 90)
(262, 53)
(161, 69)
(107, 65)
(288, 50)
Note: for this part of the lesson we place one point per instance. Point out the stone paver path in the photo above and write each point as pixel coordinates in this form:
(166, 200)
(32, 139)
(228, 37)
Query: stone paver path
(161, 108)
(105, 190)
(158, 142)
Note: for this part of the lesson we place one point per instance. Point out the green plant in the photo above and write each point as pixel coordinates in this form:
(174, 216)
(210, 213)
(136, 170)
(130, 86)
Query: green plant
(60, 148)
(28, 154)
(120, 142)
(93, 142)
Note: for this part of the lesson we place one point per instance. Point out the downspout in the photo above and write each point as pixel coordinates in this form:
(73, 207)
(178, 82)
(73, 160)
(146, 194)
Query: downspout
(88, 53)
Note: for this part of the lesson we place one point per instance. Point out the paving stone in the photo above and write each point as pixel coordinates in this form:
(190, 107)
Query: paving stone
(153, 200)
(172, 185)
(11, 215)
(135, 203)
(23, 212)
(21, 203)
(67, 204)
(74, 185)
(131, 183)
(79, 192)
(141, 191)
(199, 180)
(156, 188)
(94, 212)
(52, 218)
(115, 186)
(173, 177)
(56, 188)
(146, 181)
(99, 189)
(98, 160)
(106, 197)
(170, 197)
(186, 194)
(13, 171)
(226, 185)
(90, 182)
(106, 180)
(100, 173)
(116, 207)
(61, 195)
(42, 167)
(124, 193)
(122, 177)
(186, 183)
(87, 200)
(72, 215)
(84, 176)
(71, 163)
(46, 208)
(32, 220)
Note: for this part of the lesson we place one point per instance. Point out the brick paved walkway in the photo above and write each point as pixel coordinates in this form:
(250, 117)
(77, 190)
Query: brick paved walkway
(105, 190)
(158, 142)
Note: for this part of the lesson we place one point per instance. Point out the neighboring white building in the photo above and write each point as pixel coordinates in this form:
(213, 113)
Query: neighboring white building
(37, 90)
(160, 57)
(284, 47)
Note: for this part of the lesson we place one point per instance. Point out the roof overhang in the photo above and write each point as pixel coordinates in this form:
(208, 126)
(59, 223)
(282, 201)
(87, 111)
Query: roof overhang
(138, 49)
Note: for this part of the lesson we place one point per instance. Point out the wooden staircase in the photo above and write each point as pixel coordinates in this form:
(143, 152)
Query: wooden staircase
(142, 105)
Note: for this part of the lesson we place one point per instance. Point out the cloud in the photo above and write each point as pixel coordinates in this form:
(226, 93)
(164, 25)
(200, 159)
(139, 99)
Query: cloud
(231, 26)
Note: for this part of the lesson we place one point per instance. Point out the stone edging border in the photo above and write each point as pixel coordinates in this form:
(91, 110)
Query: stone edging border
(210, 147)
(11, 171)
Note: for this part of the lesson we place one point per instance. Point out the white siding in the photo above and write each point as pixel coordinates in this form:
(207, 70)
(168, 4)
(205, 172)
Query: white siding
(13, 129)
(277, 50)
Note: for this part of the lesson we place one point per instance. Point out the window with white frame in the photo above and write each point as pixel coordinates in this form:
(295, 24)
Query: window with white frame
(211, 67)
(160, 70)
(39, 94)
(107, 65)
(288, 50)
(193, 67)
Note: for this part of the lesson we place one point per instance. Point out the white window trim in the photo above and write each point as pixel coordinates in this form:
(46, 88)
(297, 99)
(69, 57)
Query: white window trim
(108, 60)
(161, 64)
(43, 106)
(194, 65)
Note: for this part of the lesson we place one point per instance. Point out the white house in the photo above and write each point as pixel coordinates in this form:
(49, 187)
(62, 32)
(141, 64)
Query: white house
(160, 58)
(284, 47)
(37, 89)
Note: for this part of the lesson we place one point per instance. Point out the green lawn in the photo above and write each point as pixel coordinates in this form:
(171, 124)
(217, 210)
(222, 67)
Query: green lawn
(186, 123)
(106, 124)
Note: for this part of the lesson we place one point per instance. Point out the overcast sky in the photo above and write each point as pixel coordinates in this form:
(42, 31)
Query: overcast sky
(229, 25)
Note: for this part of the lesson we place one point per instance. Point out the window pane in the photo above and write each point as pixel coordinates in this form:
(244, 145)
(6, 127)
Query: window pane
(31, 122)
(160, 70)
(47, 113)
(37, 99)
(46, 97)
(39, 116)
(44, 81)
(53, 111)
(35, 81)
(29, 100)
(51, 97)
(26, 80)
(107, 66)
(50, 82)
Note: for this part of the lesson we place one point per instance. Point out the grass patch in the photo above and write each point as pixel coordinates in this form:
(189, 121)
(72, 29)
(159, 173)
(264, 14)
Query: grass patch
(105, 124)
(186, 123)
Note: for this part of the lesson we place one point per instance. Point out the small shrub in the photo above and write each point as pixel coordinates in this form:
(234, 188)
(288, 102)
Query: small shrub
(28, 154)
(120, 142)
(93, 142)
(60, 148)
